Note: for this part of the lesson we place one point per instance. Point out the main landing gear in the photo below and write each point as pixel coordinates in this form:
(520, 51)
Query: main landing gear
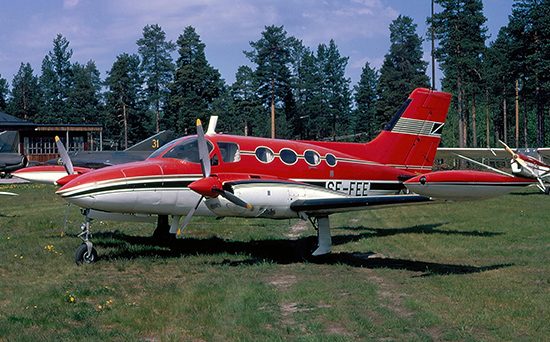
(313, 249)
(86, 253)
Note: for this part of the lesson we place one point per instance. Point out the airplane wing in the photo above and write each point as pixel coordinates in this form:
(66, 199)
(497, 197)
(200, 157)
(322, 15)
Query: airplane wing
(451, 152)
(545, 151)
(265, 191)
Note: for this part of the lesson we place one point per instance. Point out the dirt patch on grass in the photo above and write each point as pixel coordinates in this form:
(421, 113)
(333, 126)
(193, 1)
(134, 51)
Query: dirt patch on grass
(296, 229)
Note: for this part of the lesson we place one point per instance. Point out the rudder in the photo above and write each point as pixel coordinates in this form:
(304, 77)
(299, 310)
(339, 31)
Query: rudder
(410, 139)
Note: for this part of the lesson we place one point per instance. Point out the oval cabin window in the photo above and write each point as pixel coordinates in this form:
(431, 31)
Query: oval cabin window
(330, 159)
(264, 154)
(312, 157)
(288, 156)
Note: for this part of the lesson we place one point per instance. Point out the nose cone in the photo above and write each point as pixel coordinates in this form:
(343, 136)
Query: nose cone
(84, 190)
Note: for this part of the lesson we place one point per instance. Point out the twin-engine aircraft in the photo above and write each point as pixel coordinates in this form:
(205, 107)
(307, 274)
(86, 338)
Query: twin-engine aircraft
(224, 175)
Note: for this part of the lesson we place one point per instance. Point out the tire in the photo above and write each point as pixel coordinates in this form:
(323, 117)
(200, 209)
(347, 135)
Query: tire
(82, 256)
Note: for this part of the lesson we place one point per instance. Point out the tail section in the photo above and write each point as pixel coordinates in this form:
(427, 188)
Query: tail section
(152, 143)
(410, 139)
(8, 141)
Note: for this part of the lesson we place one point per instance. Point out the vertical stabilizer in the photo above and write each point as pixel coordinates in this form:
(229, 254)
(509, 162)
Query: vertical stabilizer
(410, 139)
(152, 143)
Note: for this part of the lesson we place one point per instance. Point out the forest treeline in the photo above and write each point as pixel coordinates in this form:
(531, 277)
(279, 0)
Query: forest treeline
(500, 90)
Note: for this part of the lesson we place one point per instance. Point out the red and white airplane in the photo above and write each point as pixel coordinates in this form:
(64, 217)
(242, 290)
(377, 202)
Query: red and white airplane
(224, 175)
(525, 162)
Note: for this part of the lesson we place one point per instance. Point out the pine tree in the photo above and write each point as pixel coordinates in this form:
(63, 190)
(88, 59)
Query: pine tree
(124, 99)
(157, 66)
(26, 96)
(195, 87)
(459, 28)
(403, 69)
(271, 54)
(4, 91)
(312, 101)
(335, 89)
(298, 84)
(530, 49)
(246, 103)
(84, 97)
(364, 120)
(55, 81)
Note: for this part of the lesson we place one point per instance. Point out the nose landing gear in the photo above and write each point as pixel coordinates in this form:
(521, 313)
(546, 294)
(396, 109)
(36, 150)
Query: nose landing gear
(86, 252)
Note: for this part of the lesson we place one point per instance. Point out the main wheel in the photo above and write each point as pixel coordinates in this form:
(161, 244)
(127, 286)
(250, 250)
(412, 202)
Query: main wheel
(81, 255)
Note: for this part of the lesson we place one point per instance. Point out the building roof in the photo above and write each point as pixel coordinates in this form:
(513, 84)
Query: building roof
(9, 122)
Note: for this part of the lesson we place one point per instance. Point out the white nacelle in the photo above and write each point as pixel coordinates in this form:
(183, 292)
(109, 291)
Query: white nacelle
(270, 199)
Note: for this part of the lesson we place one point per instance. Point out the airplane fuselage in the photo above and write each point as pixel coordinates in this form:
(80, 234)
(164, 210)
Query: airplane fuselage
(280, 172)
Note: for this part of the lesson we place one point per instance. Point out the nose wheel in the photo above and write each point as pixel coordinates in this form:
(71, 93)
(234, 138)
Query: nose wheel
(86, 252)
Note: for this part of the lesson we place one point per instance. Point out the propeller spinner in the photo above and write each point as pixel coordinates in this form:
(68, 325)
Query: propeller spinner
(208, 186)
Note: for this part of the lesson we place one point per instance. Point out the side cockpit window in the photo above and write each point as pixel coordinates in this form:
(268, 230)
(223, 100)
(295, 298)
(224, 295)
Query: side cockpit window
(229, 151)
(186, 150)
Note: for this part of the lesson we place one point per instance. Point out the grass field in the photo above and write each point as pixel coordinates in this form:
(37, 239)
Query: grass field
(477, 271)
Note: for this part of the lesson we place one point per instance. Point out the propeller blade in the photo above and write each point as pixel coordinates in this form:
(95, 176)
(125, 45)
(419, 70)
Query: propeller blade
(232, 198)
(515, 156)
(189, 216)
(65, 156)
(203, 150)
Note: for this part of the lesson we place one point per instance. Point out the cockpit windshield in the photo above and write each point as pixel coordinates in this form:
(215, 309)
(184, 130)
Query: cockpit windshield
(187, 149)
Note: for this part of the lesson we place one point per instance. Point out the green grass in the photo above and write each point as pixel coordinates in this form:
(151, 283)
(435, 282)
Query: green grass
(477, 271)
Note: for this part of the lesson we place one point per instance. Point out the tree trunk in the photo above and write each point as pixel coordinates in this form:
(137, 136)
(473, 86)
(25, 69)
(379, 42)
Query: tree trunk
(517, 113)
(505, 126)
(474, 126)
(125, 126)
(487, 115)
(461, 140)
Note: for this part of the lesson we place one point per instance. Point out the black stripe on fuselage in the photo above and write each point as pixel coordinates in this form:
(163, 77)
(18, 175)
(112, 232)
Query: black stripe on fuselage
(147, 185)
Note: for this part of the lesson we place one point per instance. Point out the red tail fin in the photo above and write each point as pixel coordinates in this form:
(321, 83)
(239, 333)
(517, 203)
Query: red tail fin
(411, 138)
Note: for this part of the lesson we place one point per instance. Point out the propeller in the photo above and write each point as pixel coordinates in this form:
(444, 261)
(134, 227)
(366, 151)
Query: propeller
(67, 163)
(208, 186)
(516, 157)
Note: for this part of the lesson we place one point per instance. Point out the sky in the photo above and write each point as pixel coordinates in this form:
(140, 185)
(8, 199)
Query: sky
(100, 30)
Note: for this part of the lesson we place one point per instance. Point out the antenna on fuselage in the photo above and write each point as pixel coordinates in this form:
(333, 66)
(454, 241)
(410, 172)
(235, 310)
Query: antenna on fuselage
(212, 125)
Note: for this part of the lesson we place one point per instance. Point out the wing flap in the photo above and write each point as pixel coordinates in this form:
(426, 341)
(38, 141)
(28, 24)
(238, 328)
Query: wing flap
(339, 204)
